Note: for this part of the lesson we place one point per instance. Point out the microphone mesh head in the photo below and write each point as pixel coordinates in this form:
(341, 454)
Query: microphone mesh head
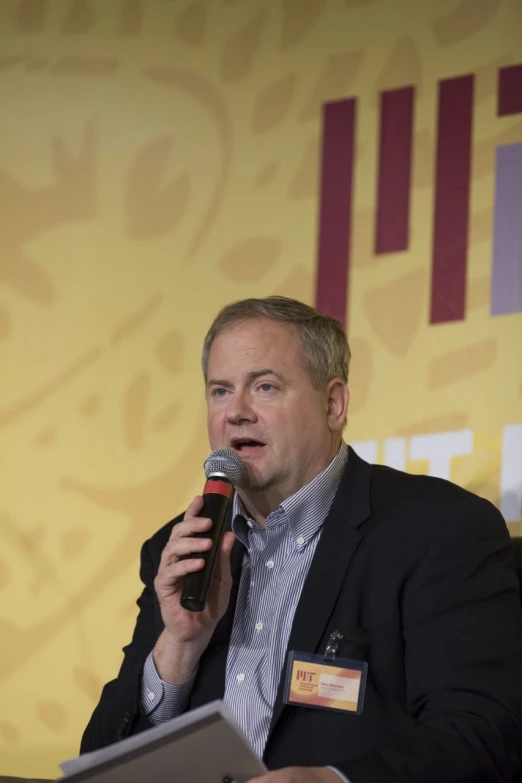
(224, 461)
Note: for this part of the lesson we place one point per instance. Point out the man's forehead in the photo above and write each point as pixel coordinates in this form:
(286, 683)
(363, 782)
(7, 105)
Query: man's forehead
(239, 349)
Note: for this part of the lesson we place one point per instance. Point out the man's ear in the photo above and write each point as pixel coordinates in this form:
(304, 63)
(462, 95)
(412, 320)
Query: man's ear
(337, 398)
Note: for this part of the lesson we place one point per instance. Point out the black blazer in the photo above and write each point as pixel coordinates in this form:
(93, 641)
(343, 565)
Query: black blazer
(418, 576)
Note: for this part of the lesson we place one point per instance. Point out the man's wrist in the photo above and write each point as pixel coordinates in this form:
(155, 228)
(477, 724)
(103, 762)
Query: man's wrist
(176, 661)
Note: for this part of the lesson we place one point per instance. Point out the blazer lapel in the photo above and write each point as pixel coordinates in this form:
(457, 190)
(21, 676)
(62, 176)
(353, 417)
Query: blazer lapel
(339, 540)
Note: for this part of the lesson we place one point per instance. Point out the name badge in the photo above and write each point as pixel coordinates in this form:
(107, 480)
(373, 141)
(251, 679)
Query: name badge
(324, 681)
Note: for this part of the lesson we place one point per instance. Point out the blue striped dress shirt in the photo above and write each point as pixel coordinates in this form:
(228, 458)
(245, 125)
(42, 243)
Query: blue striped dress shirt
(275, 565)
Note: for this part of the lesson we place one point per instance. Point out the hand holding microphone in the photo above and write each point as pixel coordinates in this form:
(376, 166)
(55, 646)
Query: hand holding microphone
(194, 572)
(223, 470)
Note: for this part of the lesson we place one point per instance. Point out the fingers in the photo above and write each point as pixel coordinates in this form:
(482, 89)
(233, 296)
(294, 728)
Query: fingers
(186, 546)
(180, 549)
(186, 537)
(191, 523)
(171, 574)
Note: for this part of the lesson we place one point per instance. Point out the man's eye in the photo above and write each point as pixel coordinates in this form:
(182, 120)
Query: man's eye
(219, 392)
(266, 387)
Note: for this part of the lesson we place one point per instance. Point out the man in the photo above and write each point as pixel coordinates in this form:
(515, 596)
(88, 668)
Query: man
(409, 574)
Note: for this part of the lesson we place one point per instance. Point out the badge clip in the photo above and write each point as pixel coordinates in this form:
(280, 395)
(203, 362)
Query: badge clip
(332, 645)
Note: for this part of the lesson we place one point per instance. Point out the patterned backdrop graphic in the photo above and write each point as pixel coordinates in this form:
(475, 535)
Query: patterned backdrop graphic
(160, 158)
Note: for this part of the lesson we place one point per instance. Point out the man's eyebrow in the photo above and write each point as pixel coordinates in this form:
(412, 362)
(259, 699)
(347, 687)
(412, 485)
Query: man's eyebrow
(267, 371)
(251, 376)
(217, 382)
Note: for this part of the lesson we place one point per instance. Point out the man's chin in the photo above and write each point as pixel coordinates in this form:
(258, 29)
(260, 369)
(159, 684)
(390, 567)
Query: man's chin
(250, 486)
(252, 480)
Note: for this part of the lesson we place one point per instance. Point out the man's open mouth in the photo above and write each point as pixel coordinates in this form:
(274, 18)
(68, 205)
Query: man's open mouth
(246, 445)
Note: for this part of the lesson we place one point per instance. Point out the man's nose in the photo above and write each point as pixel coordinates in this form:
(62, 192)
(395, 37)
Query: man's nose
(240, 408)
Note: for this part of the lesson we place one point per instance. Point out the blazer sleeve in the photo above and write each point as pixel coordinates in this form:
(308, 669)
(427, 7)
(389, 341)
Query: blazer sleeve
(118, 712)
(462, 627)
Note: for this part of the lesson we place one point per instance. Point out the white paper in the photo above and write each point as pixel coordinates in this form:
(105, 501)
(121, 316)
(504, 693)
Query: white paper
(201, 746)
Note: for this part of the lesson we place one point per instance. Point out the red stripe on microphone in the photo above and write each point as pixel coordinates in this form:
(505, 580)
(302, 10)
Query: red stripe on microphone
(395, 153)
(218, 488)
(335, 218)
(452, 188)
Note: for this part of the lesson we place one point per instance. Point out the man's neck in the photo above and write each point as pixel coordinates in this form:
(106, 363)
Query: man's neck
(260, 504)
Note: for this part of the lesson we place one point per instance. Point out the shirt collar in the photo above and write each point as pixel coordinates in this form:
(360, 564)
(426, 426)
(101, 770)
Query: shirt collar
(305, 511)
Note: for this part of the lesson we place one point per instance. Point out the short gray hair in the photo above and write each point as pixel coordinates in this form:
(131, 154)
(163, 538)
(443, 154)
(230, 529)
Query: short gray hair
(326, 353)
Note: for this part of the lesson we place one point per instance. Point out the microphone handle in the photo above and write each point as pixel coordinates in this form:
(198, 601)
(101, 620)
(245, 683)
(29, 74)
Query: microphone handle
(196, 586)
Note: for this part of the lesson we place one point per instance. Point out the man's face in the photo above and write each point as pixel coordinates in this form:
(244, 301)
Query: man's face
(261, 403)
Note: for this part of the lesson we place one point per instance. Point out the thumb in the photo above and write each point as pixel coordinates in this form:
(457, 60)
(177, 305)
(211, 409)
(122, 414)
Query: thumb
(223, 572)
(227, 543)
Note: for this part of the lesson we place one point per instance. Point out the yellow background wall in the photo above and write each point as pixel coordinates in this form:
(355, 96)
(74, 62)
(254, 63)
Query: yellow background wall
(157, 160)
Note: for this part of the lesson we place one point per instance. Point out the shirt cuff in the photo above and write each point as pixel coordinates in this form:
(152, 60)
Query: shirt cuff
(161, 701)
(341, 776)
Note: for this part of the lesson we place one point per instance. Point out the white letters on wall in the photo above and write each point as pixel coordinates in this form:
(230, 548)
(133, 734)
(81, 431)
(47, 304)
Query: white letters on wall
(440, 448)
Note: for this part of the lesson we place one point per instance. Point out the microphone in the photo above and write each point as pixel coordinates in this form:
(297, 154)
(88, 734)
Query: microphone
(223, 469)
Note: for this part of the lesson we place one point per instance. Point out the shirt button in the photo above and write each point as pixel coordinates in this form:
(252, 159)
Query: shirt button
(269, 563)
(250, 523)
(300, 540)
(259, 626)
(151, 696)
(240, 677)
